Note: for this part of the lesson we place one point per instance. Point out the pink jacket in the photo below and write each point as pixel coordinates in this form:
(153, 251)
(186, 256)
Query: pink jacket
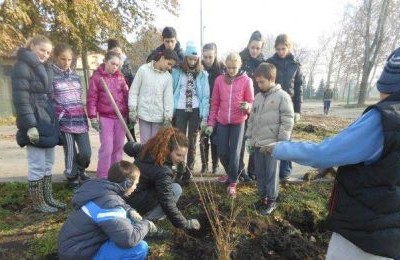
(98, 101)
(226, 99)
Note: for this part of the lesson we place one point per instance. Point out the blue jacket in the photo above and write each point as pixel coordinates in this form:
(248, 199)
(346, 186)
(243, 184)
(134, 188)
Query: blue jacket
(100, 214)
(202, 90)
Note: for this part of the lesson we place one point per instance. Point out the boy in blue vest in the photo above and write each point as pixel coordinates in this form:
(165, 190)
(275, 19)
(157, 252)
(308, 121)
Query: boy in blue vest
(103, 226)
(364, 210)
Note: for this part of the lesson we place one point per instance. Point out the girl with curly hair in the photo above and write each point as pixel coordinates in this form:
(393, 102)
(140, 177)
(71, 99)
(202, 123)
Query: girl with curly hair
(156, 194)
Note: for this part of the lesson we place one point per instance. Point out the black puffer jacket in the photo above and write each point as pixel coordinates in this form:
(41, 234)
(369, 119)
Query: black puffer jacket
(250, 64)
(32, 94)
(154, 187)
(290, 77)
(177, 49)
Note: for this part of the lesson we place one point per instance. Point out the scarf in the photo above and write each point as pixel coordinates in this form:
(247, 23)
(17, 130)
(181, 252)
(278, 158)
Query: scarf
(189, 91)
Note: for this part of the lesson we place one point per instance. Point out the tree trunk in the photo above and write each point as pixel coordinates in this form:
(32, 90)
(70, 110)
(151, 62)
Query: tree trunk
(85, 65)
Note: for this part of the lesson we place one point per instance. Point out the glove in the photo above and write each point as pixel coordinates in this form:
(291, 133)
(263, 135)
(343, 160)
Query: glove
(166, 122)
(33, 135)
(245, 106)
(152, 227)
(268, 149)
(208, 131)
(192, 224)
(134, 216)
(133, 116)
(95, 124)
(249, 147)
(296, 117)
(203, 125)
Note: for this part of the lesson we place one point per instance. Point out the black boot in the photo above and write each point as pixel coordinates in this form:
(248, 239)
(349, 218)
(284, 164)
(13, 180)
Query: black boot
(36, 194)
(204, 168)
(83, 176)
(48, 194)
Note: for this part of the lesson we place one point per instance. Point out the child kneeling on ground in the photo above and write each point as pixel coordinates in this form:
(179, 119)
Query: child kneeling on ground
(271, 120)
(103, 226)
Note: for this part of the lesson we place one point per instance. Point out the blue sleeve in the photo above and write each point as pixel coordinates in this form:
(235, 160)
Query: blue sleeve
(362, 141)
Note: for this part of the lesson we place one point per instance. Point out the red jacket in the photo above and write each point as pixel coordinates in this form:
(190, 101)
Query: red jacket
(98, 101)
(226, 99)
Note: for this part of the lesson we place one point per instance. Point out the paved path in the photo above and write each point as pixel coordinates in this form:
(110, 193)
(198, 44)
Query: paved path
(13, 163)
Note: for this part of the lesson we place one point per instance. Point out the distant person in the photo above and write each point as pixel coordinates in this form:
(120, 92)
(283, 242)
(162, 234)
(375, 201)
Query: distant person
(156, 194)
(170, 42)
(252, 56)
(214, 69)
(37, 124)
(102, 115)
(102, 225)
(291, 79)
(191, 103)
(151, 97)
(71, 114)
(271, 120)
(328, 96)
(364, 210)
(231, 102)
(126, 68)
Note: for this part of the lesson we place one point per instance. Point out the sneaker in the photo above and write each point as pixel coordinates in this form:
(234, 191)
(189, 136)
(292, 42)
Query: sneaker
(84, 177)
(244, 177)
(223, 179)
(267, 208)
(232, 190)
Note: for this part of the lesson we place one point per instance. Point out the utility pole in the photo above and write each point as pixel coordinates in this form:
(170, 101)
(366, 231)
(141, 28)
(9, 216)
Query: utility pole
(201, 28)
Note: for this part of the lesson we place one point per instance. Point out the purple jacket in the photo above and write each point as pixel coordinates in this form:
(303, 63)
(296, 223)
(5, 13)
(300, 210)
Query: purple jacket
(97, 100)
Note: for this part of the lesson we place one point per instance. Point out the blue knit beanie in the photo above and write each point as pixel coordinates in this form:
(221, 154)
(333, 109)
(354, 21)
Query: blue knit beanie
(389, 81)
(191, 49)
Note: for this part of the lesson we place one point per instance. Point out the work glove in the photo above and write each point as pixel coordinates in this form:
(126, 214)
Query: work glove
(95, 124)
(249, 146)
(134, 216)
(245, 106)
(152, 227)
(268, 149)
(192, 224)
(33, 135)
(203, 125)
(208, 131)
(133, 116)
(167, 122)
(296, 117)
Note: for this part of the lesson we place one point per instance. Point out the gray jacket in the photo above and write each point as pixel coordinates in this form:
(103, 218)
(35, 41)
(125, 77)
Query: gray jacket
(100, 214)
(271, 118)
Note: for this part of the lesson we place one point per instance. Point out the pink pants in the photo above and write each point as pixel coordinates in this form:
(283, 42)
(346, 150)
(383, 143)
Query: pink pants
(112, 139)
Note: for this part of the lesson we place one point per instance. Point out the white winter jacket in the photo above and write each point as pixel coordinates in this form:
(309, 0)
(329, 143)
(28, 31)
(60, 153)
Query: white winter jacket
(151, 94)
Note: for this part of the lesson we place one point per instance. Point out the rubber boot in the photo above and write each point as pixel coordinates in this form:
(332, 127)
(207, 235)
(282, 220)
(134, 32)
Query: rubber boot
(36, 194)
(48, 194)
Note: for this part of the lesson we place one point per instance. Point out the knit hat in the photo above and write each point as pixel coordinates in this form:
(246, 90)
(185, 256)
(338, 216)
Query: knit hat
(191, 49)
(389, 81)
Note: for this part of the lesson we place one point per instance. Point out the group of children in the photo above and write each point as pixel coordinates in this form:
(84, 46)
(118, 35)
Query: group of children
(244, 103)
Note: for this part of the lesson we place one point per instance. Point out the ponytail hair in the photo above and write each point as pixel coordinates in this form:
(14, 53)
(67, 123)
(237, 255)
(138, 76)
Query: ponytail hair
(163, 143)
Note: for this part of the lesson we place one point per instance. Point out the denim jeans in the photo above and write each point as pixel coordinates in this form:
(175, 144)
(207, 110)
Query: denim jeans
(267, 177)
(229, 143)
(157, 213)
(285, 169)
(40, 162)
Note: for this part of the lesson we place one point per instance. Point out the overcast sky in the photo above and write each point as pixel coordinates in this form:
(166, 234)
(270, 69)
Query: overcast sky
(229, 23)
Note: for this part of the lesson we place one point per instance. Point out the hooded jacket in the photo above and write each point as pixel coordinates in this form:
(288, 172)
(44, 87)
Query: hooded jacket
(100, 214)
(226, 99)
(177, 49)
(98, 101)
(250, 64)
(32, 97)
(290, 77)
(154, 187)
